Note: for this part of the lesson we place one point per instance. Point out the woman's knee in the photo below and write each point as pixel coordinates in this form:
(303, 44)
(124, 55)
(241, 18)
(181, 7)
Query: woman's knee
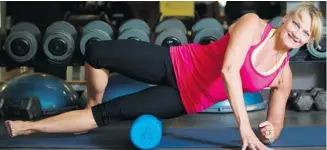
(93, 53)
(102, 114)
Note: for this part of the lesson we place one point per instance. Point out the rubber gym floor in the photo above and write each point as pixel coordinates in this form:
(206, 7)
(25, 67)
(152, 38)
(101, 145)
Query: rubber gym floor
(227, 120)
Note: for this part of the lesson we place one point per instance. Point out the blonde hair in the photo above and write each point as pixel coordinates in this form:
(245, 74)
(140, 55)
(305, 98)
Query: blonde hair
(316, 19)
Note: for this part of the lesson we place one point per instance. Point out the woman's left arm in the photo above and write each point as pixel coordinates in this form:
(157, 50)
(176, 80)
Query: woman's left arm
(278, 99)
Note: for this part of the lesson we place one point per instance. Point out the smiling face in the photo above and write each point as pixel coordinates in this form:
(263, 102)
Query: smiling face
(301, 25)
(296, 30)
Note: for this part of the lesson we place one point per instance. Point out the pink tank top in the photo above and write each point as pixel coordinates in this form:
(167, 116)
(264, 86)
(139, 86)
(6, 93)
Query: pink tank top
(198, 72)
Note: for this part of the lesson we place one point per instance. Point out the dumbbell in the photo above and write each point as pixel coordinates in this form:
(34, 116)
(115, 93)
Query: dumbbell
(135, 29)
(305, 100)
(318, 51)
(28, 109)
(171, 32)
(146, 132)
(59, 42)
(95, 31)
(301, 100)
(319, 98)
(22, 42)
(276, 22)
(206, 31)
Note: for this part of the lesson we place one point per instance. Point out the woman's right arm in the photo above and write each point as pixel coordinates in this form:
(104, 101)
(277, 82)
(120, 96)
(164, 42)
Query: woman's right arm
(242, 35)
(96, 83)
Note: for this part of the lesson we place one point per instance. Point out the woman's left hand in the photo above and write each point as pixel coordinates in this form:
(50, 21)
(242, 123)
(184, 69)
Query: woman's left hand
(267, 132)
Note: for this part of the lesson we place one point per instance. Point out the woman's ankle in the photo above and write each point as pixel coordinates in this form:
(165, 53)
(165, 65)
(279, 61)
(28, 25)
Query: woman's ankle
(29, 125)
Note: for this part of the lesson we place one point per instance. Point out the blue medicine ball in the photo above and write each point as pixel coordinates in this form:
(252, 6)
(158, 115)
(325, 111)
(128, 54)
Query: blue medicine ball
(146, 132)
(53, 92)
(118, 85)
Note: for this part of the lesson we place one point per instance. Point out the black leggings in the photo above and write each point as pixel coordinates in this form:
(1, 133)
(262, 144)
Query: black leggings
(144, 62)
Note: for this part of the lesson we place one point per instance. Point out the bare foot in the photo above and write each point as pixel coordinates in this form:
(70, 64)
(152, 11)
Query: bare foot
(16, 128)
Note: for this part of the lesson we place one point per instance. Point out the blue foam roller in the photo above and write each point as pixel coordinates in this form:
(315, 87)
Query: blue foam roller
(146, 132)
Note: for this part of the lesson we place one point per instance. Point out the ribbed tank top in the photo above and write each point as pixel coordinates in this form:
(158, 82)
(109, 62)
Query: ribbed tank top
(198, 72)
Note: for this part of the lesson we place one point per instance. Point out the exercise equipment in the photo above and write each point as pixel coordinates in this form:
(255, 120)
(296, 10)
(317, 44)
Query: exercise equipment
(171, 32)
(302, 100)
(135, 29)
(22, 42)
(118, 85)
(54, 95)
(319, 98)
(95, 31)
(119, 138)
(318, 51)
(28, 109)
(146, 132)
(306, 100)
(276, 22)
(253, 101)
(206, 31)
(59, 42)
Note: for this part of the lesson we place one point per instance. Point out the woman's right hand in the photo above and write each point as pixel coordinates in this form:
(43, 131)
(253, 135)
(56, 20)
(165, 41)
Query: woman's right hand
(250, 140)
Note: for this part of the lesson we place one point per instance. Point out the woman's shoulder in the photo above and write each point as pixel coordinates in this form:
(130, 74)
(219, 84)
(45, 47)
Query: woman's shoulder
(246, 19)
(262, 26)
(254, 20)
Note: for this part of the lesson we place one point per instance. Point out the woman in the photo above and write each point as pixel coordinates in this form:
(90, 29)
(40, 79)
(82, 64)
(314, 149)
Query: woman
(191, 77)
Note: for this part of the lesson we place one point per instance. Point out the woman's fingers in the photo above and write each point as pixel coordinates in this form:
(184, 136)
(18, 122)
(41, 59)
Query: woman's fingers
(266, 123)
(245, 145)
(268, 136)
(267, 131)
(256, 144)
